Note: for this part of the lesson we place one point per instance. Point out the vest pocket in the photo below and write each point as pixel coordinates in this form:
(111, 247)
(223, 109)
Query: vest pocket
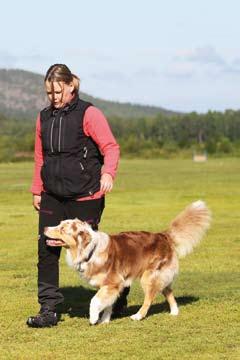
(76, 178)
(47, 175)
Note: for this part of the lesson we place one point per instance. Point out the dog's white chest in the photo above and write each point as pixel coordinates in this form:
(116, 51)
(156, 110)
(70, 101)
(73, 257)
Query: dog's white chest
(69, 259)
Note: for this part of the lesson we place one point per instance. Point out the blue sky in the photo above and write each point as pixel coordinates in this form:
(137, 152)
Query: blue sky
(179, 54)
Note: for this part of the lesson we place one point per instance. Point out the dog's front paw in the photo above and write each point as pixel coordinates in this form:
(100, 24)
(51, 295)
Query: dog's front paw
(94, 316)
(94, 310)
(174, 311)
(93, 321)
(136, 316)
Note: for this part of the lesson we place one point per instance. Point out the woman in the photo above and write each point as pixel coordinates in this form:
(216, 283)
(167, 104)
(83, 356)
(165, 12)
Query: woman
(76, 158)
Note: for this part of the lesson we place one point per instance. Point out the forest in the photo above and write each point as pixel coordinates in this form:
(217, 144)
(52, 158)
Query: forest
(161, 136)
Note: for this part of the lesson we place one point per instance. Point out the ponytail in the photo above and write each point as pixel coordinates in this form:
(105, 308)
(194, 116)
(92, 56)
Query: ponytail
(76, 83)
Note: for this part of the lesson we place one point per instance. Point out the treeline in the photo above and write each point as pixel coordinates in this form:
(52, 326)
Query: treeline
(162, 136)
(214, 133)
(16, 139)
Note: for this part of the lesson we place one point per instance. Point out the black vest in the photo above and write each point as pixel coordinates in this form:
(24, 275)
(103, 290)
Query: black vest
(72, 160)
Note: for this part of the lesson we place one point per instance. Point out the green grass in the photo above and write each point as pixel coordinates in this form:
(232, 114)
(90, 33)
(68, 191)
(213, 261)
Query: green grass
(147, 195)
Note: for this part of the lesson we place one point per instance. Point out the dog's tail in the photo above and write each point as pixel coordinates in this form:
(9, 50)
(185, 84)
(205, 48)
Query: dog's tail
(188, 228)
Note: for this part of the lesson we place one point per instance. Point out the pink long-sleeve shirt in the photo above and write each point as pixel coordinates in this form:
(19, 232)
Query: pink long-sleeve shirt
(96, 126)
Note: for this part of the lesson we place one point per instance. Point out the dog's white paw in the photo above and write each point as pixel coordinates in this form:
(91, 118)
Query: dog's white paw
(136, 316)
(174, 311)
(93, 320)
(94, 310)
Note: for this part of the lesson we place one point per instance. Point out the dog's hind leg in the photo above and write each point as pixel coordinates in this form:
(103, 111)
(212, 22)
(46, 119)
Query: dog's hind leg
(103, 300)
(106, 316)
(168, 293)
(151, 284)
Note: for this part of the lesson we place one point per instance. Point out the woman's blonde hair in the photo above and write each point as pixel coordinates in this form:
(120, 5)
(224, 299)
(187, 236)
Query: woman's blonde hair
(61, 73)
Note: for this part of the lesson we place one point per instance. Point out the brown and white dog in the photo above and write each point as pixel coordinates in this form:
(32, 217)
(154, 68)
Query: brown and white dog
(111, 262)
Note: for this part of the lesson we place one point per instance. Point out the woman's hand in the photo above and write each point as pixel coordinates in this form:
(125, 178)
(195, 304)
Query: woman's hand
(36, 202)
(106, 183)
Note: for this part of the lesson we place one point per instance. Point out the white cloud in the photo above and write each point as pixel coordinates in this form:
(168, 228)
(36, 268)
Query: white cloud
(233, 68)
(202, 62)
(146, 73)
(179, 70)
(33, 62)
(202, 55)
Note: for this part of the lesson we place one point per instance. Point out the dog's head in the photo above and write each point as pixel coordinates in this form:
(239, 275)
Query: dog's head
(71, 234)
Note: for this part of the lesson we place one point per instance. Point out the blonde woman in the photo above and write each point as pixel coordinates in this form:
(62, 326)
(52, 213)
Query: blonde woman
(76, 158)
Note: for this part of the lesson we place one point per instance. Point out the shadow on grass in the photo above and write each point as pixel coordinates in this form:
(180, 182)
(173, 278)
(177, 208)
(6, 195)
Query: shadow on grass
(77, 300)
(163, 306)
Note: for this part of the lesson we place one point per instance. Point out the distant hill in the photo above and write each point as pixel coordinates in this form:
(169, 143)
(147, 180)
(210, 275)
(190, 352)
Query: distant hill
(22, 96)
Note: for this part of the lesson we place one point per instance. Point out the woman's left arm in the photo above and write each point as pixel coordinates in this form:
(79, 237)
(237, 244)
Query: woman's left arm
(95, 125)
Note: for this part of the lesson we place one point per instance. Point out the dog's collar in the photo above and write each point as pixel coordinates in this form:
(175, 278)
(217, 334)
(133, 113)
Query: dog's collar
(86, 259)
(90, 254)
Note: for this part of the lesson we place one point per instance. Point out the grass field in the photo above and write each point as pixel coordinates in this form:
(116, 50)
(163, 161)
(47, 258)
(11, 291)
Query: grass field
(147, 195)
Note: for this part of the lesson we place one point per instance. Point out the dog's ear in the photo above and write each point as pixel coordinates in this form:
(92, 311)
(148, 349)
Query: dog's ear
(85, 237)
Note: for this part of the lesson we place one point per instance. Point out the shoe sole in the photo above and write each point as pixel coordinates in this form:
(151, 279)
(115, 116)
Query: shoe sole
(32, 325)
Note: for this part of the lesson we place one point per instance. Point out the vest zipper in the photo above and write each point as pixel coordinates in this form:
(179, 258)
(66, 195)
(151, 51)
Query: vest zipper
(85, 150)
(59, 135)
(51, 136)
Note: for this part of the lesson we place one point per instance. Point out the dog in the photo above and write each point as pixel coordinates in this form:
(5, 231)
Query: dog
(112, 262)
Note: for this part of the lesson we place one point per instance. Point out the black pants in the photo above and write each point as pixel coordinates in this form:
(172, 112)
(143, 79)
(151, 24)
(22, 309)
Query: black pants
(52, 211)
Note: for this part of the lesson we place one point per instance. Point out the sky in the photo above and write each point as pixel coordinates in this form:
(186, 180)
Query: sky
(183, 55)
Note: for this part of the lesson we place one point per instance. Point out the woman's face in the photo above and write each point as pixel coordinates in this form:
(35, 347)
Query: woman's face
(62, 93)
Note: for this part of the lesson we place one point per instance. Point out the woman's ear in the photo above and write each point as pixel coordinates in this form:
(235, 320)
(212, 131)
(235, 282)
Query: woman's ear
(72, 89)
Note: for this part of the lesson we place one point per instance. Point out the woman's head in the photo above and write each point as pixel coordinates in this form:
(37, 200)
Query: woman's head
(61, 85)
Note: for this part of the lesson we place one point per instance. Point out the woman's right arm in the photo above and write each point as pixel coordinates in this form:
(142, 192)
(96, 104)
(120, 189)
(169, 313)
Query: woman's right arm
(37, 185)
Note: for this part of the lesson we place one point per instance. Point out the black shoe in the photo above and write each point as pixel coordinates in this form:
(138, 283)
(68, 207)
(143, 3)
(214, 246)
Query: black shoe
(46, 318)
